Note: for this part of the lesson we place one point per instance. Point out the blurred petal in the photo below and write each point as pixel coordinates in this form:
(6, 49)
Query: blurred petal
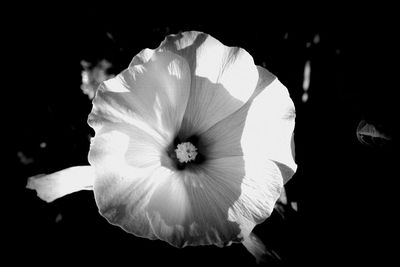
(283, 197)
(154, 90)
(368, 134)
(53, 186)
(223, 78)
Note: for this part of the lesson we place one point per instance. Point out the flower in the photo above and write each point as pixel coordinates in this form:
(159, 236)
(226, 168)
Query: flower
(92, 76)
(193, 144)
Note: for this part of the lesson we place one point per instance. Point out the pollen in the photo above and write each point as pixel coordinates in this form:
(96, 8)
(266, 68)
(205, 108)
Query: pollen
(186, 152)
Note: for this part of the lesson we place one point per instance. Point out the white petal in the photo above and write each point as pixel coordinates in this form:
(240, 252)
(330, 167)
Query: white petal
(259, 191)
(228, 197)
(182, 208)
(247, 189)
(53, 186)
(154, 90)
(212, 191)
(224, 138)
(223, 78)
(268, 130)
(261, 129)
(149, 203)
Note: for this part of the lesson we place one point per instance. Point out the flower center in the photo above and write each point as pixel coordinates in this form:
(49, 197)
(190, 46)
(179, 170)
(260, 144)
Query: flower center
(186, 152)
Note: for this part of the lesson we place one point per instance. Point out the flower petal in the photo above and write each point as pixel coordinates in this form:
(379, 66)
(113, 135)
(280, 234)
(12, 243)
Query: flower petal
(120, 144)
(228, 197)
(224, 138)
(268, 130)
(132, 197)
(223, 79)
(184, 208)
(53, 186)
(254, 188)
(261, 129)
(154, 90)
(251, 188)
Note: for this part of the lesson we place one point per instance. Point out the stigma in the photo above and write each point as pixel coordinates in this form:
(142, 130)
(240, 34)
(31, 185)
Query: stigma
(186, 152)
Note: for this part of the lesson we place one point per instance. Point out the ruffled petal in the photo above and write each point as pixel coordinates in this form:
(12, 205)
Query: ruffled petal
(223, 79)
(53, 186)
(151, 94)
(260, 187)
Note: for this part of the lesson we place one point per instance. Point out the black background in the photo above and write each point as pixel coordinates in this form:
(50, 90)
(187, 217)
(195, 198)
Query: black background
(346, 192)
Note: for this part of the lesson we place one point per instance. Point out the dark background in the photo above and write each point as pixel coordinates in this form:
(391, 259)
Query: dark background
(346, 192)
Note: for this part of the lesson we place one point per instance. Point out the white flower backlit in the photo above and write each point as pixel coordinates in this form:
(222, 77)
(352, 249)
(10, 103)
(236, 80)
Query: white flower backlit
(193, 144)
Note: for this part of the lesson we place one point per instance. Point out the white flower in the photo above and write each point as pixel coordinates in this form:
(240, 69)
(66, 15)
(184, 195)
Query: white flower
(193, 145)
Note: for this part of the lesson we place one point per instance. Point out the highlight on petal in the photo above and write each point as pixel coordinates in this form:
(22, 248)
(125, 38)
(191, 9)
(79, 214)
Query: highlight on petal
(154, 90)
(268, 130)
(53, 186)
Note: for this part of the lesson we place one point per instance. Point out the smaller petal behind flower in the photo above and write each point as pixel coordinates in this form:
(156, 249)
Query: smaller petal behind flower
(53, 186)
(255, 246)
